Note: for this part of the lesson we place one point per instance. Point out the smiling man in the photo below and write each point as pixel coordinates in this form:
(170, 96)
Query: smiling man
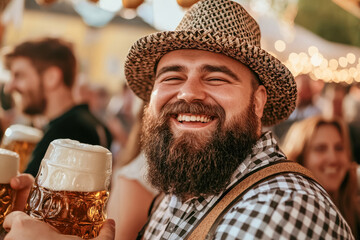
(43, 72)
(195, 105)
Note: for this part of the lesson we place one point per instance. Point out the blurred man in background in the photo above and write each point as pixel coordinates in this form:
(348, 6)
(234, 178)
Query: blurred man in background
(43, 73)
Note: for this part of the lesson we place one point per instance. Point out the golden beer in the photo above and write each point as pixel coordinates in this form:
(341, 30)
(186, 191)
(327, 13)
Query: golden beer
(24, 149)
(7, 197)
(71, 189)
(9, 164)
(21, 139)
(72, 213)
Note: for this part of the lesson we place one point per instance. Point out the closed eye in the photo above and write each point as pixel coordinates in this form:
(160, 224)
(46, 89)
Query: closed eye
(339, 148)
(320, 148)
(217, 81)
(171, 80)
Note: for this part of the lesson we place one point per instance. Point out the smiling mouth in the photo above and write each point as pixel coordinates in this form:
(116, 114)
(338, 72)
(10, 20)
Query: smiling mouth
(331, 170)
(194, 118)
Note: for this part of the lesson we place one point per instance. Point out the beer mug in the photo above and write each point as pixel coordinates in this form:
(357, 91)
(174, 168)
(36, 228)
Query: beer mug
(9, 164)
(21, 139)
(71, 189)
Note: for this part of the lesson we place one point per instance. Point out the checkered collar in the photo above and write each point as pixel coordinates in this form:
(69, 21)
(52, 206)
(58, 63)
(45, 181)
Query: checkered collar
(265, 150)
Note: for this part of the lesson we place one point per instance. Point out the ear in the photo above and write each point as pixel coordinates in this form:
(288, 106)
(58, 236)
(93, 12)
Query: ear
(52, 77)
(260, 97)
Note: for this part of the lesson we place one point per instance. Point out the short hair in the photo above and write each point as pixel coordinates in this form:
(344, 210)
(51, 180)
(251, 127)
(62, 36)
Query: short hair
(47, 52)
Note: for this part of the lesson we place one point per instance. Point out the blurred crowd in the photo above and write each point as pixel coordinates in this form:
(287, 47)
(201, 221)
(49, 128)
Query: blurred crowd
(331, 100)
(118, 111)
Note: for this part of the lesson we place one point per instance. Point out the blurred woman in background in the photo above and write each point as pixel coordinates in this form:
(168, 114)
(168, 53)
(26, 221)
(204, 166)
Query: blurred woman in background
(131, 195)
(323, 146)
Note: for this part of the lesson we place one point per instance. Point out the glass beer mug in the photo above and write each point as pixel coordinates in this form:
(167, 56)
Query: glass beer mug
(71, 189)
(9, 164)
(21, 139)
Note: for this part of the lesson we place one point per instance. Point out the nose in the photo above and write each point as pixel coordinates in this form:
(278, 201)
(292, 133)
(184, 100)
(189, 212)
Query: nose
(192, 90)
(332, 155)
(9, 87)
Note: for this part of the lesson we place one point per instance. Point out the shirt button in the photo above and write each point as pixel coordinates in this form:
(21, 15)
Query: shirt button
(171, 228)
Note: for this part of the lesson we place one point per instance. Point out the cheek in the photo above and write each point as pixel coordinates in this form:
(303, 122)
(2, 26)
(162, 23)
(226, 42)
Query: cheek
(313, 161)
(345, 160)
(156, 101)
(159, 97)
(233, 108)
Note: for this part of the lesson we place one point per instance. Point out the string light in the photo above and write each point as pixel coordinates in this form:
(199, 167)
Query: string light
(333, 64)
(318, 67)
(351, 58)
(343, 62)
(312, 50)
(280, 45)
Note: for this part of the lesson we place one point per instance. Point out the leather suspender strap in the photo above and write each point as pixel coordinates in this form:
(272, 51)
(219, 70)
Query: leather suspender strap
(209, 222)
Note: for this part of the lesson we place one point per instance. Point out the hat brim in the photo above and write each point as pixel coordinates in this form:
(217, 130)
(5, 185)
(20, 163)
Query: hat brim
(275, 76)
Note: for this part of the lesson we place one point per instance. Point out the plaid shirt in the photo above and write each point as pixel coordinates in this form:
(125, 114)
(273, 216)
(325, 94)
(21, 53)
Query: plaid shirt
(288, 206)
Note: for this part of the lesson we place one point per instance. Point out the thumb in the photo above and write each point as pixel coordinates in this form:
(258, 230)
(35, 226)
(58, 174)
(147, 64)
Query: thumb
(107, 231)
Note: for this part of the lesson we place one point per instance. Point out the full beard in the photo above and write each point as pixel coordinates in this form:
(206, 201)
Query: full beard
(191, 165)
(38, 102)
(35, 109)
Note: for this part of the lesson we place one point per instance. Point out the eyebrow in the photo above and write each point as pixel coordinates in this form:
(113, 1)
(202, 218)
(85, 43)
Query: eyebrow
(222, 69)
(172, 68)
(204, 68)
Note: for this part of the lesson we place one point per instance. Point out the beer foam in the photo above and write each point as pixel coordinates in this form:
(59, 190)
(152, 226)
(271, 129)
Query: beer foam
(18, 132)
(69, 165)
(9, 165)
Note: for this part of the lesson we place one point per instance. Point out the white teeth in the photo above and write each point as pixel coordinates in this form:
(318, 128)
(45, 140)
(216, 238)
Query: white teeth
(193, 118)
(330, 170)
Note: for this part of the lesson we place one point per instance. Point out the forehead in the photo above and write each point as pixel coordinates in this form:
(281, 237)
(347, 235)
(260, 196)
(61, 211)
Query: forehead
(327, 131)
(195, 57)
(20, 63)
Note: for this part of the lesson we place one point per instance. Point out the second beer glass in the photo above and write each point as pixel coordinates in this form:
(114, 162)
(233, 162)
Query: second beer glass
(71, 189)
(9, 164)
(21, 139)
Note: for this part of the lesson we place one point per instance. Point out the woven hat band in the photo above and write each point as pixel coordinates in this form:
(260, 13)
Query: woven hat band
(227, 18)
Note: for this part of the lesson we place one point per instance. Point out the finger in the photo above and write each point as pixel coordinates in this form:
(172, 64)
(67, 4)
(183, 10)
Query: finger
(22, 183)
(12, 217)
(107, 231)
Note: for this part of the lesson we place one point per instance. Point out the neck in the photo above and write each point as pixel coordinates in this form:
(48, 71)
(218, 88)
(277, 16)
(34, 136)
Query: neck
(58, 102)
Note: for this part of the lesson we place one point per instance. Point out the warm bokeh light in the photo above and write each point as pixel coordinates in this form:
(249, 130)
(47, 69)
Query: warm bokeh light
(307, 68)
(343, 62)
(280, 45)
(294, 58)
(357, 78)
(316, 59)
(324, 63)
(353, 72)
(312, 50)
(333, 64)
(318, 67)
(351, 58)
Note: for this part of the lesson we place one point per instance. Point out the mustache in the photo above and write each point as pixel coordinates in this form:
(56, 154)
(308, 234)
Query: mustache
(181, 106)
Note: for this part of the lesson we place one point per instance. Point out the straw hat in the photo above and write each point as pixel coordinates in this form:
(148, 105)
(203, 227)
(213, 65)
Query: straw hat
(220, 26)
